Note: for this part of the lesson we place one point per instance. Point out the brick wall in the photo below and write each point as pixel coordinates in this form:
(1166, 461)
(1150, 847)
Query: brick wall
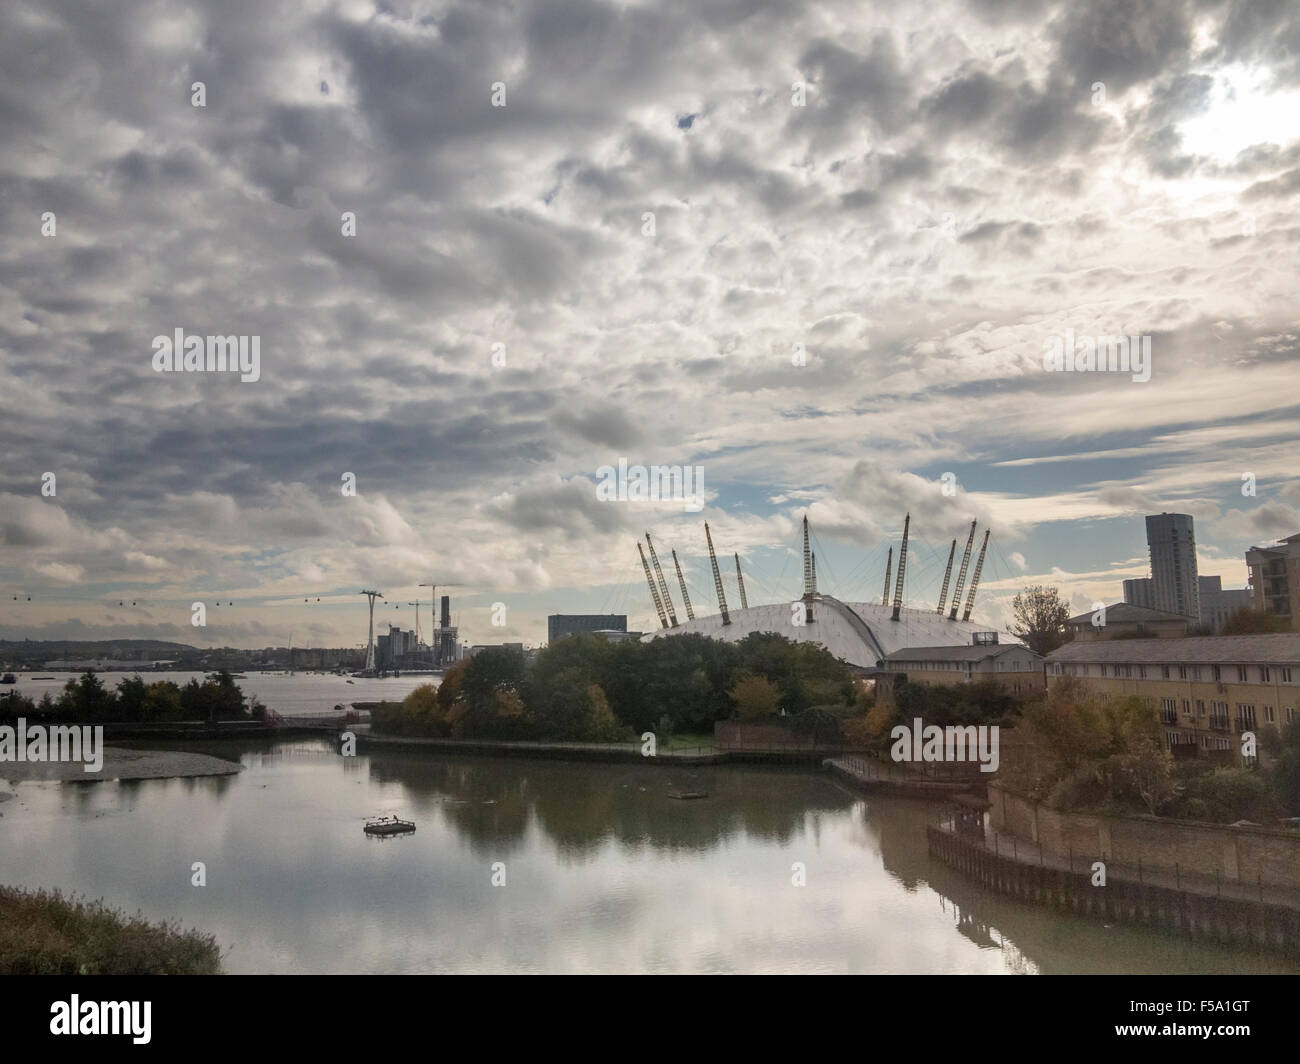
(1245, 855)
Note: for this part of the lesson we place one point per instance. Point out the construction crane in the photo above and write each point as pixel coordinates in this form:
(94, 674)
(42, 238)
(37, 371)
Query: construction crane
(902, 568)
(443, 631)
(663, 584)
(654, 591)
(690, 615)
(740, 581)
(943, 593)
(975, 580)
(961, 574)
(417, 625)
(717, 577)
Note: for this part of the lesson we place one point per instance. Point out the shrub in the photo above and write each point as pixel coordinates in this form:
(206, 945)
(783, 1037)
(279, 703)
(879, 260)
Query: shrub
(44, 933)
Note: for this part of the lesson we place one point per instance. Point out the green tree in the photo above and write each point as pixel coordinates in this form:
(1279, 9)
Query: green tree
(162, 701)
(490, 674)
(1040, 618)
(1224, 794)
(218, 697)
(131, 691)
(756, 697)
(86, 699)
(1285, 775)
(602, 725)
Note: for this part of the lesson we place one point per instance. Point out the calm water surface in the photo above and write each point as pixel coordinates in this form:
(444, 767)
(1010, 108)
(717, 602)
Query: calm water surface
(604, 872)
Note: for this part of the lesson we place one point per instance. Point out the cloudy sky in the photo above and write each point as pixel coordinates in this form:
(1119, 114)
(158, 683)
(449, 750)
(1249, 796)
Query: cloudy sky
(648, 227)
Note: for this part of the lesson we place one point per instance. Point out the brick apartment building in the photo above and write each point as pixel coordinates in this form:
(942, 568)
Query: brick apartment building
(1207, 690)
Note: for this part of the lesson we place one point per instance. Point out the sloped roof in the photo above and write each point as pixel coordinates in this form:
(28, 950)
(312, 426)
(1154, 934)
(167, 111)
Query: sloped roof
(1128, 613)
(955, 653)
(861, 633)
(1282, 648)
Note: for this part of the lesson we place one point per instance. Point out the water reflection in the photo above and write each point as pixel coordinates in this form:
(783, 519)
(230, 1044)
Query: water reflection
(604, 872)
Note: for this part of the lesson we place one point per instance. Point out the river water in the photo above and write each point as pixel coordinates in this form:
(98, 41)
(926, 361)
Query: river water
(603, 872)
(288, 694)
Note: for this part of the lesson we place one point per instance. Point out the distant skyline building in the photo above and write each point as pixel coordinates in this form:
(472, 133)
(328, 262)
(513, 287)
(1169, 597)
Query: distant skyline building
(1172, 544)
(447, 635)
(559, 625)
(1175, 586)
(1275, 579)
(1218, 604)
(1140, 592)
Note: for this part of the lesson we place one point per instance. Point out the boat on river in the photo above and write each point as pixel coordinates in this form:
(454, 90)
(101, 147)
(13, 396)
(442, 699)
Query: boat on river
(388, 825)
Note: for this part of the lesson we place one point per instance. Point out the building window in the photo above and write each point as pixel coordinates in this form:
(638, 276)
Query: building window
(1219, 716)
(1103, 670)
(1268, 714)
(1187, 708)
(1164, 672)
(1168, 711)
(1142, 672)
(1218, 673)
(1290, 714)
(1263, 673)
(1200, 707)
(1182, 672)
(1286, 673)
(1245, 716)
(1241, 673)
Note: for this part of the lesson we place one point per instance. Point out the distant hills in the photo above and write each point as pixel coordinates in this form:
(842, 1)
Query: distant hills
(95, 648)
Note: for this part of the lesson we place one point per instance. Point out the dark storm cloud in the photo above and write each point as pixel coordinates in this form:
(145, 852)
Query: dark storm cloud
(570, 506)
(1285, 185)
(1266, 32)
(868, 88)
(607, 427)
(1122, 43)
(1027, 122)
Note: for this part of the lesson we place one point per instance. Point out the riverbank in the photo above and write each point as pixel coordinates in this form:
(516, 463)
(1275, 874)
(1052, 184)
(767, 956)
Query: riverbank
(122, 764)
(44, 933)
(607, 752)
(1199, 911)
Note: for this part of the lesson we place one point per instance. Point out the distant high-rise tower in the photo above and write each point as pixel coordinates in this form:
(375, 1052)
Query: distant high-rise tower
(446, 635)
(1140, 592)
(1173, 564)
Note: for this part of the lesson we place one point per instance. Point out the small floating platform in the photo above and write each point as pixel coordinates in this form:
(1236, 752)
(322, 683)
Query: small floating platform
(686, 796)
(388, 825)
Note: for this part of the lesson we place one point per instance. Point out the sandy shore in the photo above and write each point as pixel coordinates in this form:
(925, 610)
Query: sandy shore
(121, 764)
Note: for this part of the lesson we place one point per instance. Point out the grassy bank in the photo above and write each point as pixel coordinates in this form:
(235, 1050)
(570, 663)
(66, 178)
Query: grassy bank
(44, 933)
